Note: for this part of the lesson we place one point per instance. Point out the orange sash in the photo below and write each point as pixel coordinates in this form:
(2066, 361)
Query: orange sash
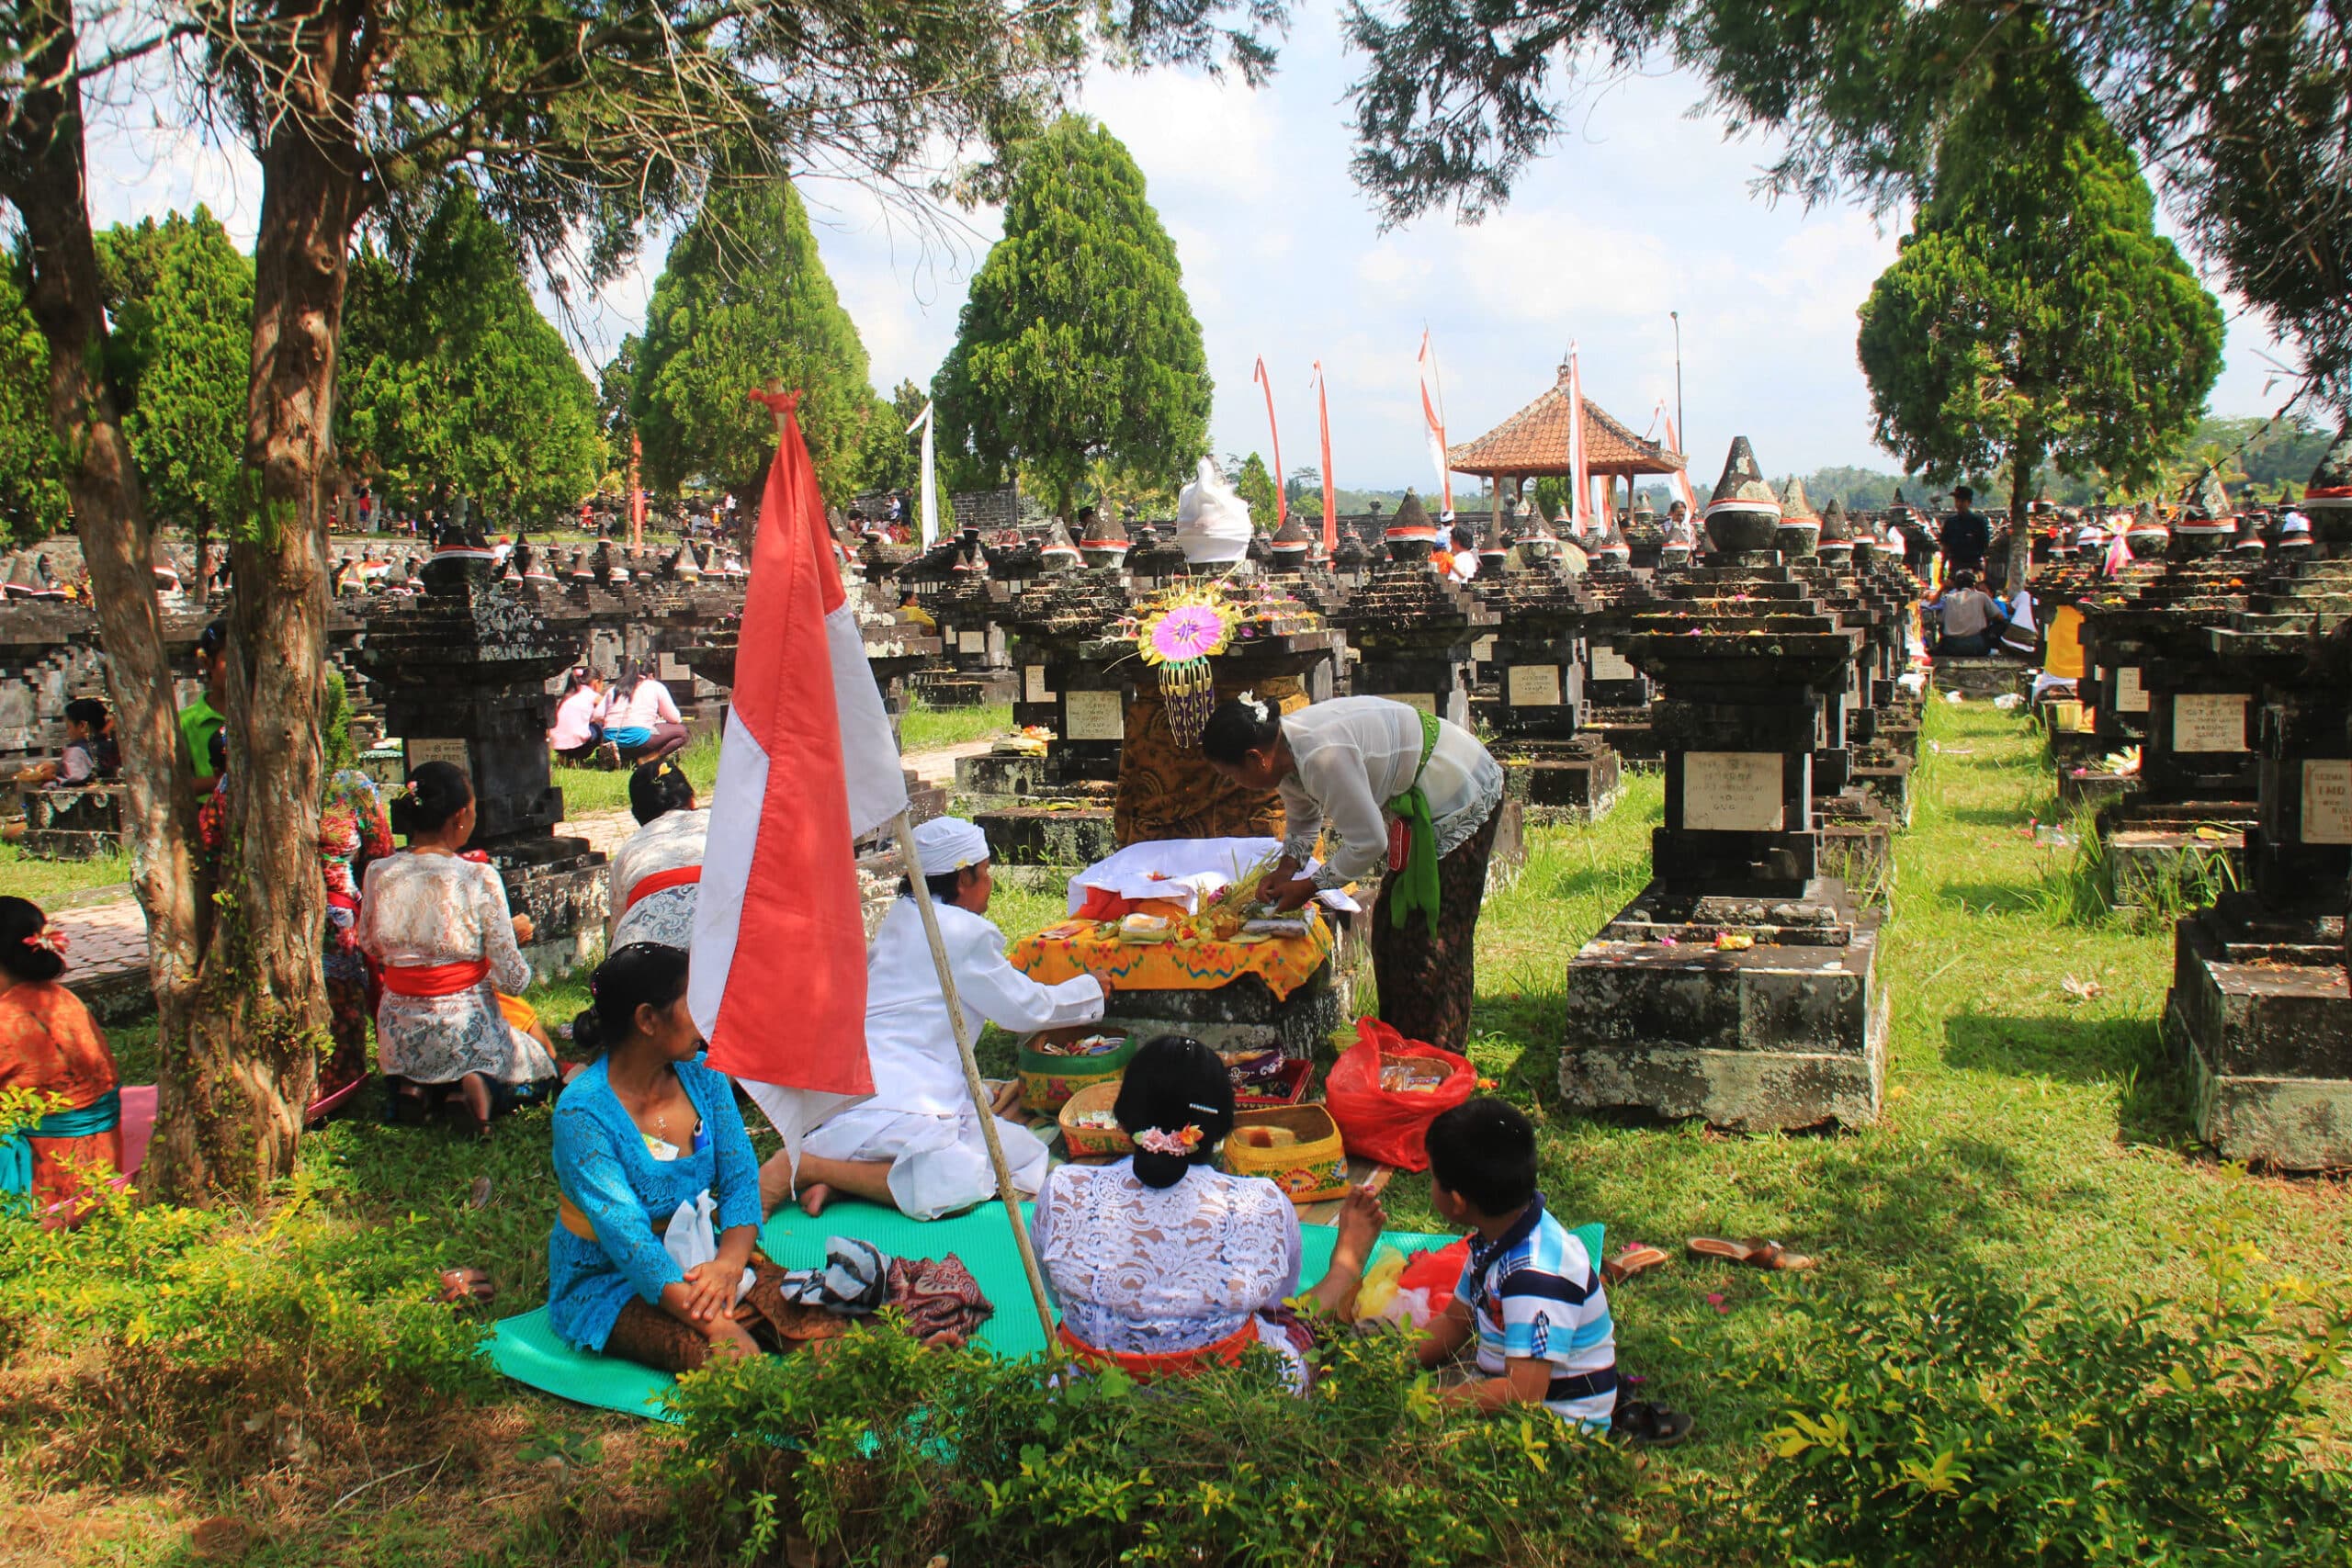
(434, 979)
(661, 882)
(1151, 1366)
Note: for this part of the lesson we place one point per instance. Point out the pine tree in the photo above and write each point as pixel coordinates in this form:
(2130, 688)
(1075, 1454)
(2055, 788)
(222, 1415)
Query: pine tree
(2034, 313)
(742, 300)
(181, 295)
(33, 494)
(450, 375)
(1077, 344)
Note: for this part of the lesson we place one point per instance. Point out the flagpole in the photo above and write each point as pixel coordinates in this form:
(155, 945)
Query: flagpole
(903, 828)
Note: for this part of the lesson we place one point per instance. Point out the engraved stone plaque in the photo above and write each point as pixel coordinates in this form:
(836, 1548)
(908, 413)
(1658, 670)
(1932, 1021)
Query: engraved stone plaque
(1422, 701)
(1732, 791)
(1608, 666)
(971, 642)
(2130, 695)
(1033, 684)
(1093, 716)
(423, 752)
(1536, 685)
(2209, 721)
(2327, 801)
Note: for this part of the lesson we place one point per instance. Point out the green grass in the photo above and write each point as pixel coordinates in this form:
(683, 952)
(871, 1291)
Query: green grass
(603, 789)
(44, 880)
(926, 728)
(2028, 1135)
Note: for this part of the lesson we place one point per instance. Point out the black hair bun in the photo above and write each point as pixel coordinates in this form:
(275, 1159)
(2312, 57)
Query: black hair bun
(437, 792)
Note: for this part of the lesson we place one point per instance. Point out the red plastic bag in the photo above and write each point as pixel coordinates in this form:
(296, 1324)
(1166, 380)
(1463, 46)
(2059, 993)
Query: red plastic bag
(1438, 1272)
(1385, 1125)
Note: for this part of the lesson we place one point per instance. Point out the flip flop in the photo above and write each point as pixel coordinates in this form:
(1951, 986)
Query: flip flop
(1650, 1425)
(1634, 1257)
(1753, 1253)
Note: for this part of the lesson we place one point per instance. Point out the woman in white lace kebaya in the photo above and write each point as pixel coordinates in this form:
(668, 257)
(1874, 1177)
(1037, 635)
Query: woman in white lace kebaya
(1166, 1266)
(658, 869)
(439, 926)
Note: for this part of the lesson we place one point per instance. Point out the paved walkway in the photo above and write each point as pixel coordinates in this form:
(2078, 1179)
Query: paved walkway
(107, 961)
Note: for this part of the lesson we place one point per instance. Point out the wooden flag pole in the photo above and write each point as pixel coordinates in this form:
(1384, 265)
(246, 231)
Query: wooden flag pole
(903, 828)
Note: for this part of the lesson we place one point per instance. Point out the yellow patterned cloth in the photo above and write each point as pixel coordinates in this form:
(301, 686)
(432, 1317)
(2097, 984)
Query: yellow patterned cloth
(1080, 947)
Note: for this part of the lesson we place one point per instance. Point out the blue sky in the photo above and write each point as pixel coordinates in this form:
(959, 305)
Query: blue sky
(1641, 210)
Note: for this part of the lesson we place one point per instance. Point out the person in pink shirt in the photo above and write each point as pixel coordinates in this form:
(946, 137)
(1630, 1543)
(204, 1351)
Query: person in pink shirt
(579, 714)
(648, 726)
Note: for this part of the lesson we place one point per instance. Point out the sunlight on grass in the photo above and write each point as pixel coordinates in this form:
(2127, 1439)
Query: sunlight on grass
(926, 728)
(600, 789)
(27, 877)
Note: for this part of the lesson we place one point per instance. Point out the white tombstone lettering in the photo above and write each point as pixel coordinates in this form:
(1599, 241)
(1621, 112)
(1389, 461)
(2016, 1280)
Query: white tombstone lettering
(1033, 684)
(1424, 701)
(1735, 792)
(2209, 721)
(1608, 665)
(971, 642)
(2130, 695)
(2327, 800)
(1093, 716)
(423, 752)
(1534, 685)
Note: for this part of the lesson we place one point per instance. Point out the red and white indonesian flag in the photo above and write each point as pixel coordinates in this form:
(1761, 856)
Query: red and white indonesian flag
(1433, 416)
(808, 765)
(1682, 474)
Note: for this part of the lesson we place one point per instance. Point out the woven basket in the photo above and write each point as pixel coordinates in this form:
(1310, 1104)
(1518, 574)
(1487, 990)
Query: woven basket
(1047, 1081)
(1310, 1168)
(1093, 1143)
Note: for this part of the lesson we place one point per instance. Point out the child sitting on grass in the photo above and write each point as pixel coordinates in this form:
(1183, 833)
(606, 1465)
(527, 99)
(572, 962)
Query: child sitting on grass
(1530, 1292)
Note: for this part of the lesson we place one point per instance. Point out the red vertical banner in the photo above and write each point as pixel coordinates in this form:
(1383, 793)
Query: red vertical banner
(1580, 476)
(1331, 496)
(1282, 494)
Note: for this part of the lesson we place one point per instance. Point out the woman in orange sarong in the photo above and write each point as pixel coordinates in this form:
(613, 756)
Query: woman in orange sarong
(49, 1045)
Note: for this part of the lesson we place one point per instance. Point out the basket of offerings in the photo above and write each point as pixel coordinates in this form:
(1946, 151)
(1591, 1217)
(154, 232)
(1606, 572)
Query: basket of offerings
(1054, 1064)
(1266, 1077)
(1295, 1146)
(1089, 1129)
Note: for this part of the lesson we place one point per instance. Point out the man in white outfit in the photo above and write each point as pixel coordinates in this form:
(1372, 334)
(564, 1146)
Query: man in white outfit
(918, 1143)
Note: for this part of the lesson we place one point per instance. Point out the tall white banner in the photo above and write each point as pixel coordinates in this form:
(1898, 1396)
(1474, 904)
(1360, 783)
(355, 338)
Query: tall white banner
(930, 523)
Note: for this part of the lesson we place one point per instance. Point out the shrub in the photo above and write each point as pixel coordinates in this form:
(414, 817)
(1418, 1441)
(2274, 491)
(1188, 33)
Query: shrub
(886, 1452)
(151, 1337)
(1973, 1424)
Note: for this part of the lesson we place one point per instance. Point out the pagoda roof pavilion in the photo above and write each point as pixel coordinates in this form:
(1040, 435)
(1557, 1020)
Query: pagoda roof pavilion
(1535, 441)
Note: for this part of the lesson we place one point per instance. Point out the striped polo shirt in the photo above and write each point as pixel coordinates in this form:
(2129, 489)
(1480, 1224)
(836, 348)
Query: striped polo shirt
(1535, 1294)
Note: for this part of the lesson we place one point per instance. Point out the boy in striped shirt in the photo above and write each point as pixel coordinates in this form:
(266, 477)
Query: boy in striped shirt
(1531, 1293)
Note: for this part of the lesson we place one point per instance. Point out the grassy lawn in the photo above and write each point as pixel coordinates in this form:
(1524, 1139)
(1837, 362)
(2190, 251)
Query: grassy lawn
(926, 728)
(606, 789)
(2028, 1135)
(46, 880)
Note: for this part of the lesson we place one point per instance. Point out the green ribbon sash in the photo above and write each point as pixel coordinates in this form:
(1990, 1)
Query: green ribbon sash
(16, 1149)
(1417, 883)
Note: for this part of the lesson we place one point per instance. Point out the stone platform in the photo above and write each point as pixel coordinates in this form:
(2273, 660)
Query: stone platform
(1071, 836)
(2162, 864)
(2260, 1021)
(1241, 1016)
(2091, 790)
(1987, 677)
(1789, 1032)
(965, 690)
(72, 822)
(1577, 780)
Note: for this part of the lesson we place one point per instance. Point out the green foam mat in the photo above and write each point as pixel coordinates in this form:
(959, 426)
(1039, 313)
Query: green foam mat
(525, 1348)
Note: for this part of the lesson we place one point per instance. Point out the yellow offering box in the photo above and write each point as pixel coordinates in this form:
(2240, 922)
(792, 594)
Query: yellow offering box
(1295, 1146)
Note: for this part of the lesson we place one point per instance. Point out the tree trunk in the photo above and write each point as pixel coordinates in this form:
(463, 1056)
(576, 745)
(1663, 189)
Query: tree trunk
(2024, 460)
(42, 176)
(251, 1064)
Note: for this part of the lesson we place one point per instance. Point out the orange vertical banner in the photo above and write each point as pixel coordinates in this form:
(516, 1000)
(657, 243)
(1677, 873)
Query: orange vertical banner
(1331, 496)
(1282, 494)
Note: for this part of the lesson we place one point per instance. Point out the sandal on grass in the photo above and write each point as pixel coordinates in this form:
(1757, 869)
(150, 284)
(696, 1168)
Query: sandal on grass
(467, 1287)
(1755, 1254)
(1634, 1257)
(1651, 1425)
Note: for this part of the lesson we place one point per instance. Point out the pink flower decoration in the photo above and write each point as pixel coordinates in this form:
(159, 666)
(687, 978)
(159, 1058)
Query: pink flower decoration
(1189, 631)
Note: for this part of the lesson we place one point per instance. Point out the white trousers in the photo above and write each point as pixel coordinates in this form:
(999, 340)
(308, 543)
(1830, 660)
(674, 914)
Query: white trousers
(938, 1164)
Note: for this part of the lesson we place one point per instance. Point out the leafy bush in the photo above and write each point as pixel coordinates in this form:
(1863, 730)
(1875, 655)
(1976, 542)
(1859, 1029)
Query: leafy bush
(155, 1336)
(885, 1452)
(1973, 1424)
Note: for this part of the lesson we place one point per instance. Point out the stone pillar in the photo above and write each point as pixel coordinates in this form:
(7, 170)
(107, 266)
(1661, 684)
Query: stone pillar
(462, 669)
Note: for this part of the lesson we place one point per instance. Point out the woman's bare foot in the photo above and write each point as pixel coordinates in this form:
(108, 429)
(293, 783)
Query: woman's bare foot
(467, 1287)
(1360, 1219)
(814, 1197)
(475, 1090)
(731, 1342)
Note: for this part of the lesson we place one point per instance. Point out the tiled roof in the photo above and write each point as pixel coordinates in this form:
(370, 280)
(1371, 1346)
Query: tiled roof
(1535, 441)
